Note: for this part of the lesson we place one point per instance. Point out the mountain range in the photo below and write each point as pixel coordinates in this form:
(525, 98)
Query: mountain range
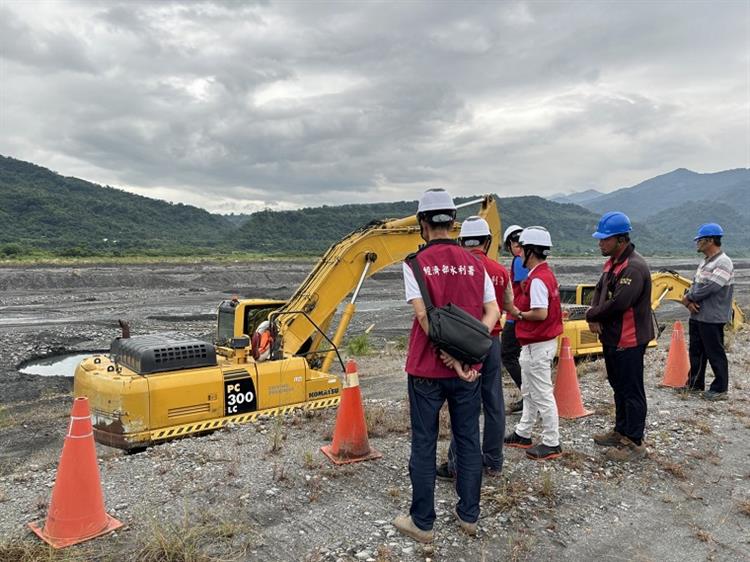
(44, 212)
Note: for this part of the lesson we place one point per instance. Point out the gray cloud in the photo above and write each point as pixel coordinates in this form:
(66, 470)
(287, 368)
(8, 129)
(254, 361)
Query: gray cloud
(295, 104)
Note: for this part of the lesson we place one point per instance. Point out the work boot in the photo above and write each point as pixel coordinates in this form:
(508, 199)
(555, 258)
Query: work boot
(626, 451)
(445, 473)
(405, 525)
(542, 452)
(493, 472)
(515, 440)
(712, 395)
(607, 439)
(515, 407)
(468, 528)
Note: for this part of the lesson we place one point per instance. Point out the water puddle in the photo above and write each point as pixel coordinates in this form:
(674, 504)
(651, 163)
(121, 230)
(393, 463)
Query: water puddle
(55, 365)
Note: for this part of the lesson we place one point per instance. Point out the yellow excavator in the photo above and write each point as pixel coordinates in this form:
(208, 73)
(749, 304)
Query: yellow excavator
(152, 388)
(576, 300)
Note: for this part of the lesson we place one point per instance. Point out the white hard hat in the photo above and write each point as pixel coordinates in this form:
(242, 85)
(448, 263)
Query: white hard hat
(510, 230)
(436, 199)
(535, 236)
(474, 227)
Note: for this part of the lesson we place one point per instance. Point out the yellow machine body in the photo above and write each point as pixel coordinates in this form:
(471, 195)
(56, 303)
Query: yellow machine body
(132, 411)
(150, 390)
(577, 299)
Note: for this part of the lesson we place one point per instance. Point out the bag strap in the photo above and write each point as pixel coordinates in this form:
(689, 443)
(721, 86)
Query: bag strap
(419, 277)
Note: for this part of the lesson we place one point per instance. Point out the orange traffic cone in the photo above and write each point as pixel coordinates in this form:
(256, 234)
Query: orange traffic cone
(567, 392)
(350, 443)
(678, 363)
(76, 510)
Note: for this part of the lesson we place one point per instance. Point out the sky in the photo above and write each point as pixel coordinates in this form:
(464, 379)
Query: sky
(238, 106)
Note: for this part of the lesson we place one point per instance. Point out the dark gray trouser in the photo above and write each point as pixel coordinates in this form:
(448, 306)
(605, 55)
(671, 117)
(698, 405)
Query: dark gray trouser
(625, 374)
(511, 351)
(493, 407)
(707, 346)
(426, 397)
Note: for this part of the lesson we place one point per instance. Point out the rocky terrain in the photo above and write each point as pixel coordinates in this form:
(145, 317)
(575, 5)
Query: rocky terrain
(265, 492)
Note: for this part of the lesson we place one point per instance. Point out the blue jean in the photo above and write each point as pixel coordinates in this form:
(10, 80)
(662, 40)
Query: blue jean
(493, 407)
(426, 397)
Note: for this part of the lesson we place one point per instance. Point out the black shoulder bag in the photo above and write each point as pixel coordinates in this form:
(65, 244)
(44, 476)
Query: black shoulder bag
(451, 328)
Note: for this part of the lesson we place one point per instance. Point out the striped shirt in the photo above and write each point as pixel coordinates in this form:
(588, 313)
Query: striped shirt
(713, 289)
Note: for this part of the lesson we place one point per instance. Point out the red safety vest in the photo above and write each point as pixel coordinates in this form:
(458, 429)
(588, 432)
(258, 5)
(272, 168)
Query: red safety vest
(528, 331)
(500, 279)
(452, 275)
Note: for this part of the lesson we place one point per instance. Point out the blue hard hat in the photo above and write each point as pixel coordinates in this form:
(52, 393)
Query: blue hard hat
(709, 229)
(612, 224)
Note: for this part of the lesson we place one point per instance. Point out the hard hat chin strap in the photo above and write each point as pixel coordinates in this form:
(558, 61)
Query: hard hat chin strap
(527, 253)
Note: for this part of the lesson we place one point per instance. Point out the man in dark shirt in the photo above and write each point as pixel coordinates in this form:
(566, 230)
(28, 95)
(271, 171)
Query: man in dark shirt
(621, 316)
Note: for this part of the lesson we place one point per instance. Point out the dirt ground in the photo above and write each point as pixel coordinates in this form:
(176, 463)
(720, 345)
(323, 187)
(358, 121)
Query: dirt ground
(264, 492)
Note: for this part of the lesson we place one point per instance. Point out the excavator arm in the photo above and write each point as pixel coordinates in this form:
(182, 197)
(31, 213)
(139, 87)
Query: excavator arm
(670, 285)
(343, 269)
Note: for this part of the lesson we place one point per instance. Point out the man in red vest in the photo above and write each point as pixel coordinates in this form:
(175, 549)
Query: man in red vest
(539, 323)
(452, 275)
(475, 236)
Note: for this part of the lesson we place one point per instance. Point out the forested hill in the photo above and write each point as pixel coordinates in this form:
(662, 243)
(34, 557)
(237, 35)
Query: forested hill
(44, 210)
(313, 230)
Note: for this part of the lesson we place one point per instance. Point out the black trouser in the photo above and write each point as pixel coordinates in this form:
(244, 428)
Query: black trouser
(625, 375)
(510, 352)
(707, 346)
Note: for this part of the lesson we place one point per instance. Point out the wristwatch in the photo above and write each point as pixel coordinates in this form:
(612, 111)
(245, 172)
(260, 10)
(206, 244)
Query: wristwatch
(520, 314)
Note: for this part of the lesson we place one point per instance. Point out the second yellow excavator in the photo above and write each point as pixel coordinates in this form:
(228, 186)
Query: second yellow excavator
(576, 299)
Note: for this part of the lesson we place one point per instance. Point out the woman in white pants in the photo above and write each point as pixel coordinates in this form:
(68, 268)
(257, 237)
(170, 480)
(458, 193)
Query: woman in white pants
(539, 324)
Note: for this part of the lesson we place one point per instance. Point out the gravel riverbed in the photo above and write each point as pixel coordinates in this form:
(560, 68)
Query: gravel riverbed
(264, 491)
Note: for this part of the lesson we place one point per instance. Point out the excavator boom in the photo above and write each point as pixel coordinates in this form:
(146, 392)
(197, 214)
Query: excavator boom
(349, 262)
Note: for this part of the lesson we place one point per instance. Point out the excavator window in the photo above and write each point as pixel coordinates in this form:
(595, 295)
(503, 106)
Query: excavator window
(253, 317)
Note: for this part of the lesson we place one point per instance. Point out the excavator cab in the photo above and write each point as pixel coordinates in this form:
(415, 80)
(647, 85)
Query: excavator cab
(237, 318)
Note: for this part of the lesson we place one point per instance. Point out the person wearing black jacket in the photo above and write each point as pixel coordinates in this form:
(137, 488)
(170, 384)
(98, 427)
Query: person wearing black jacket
(621, 315)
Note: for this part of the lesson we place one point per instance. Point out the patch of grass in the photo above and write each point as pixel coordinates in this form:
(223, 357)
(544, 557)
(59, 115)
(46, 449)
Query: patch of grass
(546, 487)
(703, 536)
(314, 488)
(444, 427)
(6, 420)
(207, 539)
(309, 461)
(744, 508)
(672, 468)
(394, 492)
(385, 553)
(402, 344)
(277, 435)
(607, 410)
(519, 545)
(697, 423)
(382, 420)
(588, 365)
(575, 460)
(734, 410)
(33, 550)
(506, 497)
(279, 473)
(359, 345)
